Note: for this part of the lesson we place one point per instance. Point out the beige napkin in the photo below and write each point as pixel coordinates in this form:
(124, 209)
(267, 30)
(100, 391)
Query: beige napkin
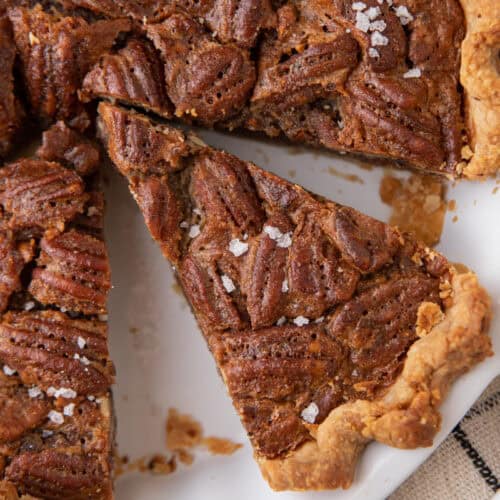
(467, 464)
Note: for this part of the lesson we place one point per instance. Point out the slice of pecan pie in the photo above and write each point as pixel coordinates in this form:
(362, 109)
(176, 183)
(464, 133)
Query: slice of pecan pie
(56, 424)
(411, 81)
(329, 328)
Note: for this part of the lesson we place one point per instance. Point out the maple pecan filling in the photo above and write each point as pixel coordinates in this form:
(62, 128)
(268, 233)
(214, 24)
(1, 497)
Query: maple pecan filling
(305, 304)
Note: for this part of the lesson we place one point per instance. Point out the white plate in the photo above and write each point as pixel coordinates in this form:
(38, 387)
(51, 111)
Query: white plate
(166, 363)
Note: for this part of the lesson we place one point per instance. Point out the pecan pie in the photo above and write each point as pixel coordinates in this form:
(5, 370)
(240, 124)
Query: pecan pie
(56, 425)
(410, 81)
(329, 328)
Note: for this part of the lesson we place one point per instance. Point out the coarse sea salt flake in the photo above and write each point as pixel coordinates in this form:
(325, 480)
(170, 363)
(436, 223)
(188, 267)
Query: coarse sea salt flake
(310, 412)
(373, 53)
(284, 286)
(85, 360)
(8, 370)
(362, 22)
(283, 240)
(413, 73)
(28, 306)
(63, 392)
(66, 393)
(378, 25)
(34, 392)
(56, 417)
(81, 342)
(91, 211)
(228, 283)
(273, 232)
(281, 321)
(237, 247)
(68, 409)
(194, 231)
(359, 6)
(301, 321)
(378, 39)
(373, 13)
(404, 14)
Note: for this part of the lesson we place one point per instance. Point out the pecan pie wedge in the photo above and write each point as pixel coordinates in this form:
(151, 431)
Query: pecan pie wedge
(329, 328)
(415, 82)
(56, 422)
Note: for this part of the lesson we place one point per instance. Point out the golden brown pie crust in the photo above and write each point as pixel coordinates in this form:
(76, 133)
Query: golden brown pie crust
(407, 415)
(480, 77)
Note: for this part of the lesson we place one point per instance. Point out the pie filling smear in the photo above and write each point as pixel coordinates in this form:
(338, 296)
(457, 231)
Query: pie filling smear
(329, 328)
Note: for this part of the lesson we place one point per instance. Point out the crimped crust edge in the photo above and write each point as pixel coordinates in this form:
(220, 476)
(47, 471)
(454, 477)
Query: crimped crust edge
(480, 77)
(407, 415)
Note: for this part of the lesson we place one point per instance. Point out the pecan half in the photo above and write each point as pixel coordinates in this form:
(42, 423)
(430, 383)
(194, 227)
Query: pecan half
(38, 193)
(365, 243)
(134, 75)
(72, 272)
(18, 412)
(49, 349)
(204, 79)
(225, 191)
(55, 474)
(55, 53)
(204, 288)
(62, 144)
(136, 147)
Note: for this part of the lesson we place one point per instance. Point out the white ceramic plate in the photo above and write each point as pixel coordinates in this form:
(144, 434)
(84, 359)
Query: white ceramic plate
(166, 363)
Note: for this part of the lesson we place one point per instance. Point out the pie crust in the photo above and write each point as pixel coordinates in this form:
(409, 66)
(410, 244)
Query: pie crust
(480, 77)
(407, 415)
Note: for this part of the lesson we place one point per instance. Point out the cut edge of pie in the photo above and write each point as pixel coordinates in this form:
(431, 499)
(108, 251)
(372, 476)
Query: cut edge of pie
(448, 341)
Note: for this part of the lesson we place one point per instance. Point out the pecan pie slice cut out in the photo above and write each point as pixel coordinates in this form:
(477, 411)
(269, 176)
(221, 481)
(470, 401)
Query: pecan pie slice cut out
(329, 328)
